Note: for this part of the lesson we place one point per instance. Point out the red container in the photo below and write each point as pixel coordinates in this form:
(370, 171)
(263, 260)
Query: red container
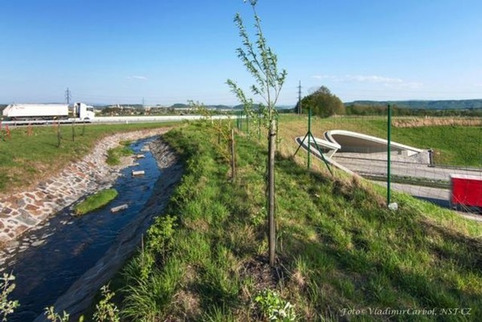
(466, 190)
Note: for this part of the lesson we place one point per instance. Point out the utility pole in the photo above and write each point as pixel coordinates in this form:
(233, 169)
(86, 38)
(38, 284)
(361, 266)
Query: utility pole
(299, 99)
(68, 95)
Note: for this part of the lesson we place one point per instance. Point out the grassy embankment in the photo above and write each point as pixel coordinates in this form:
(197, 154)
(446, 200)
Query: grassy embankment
(95, 201)
(25, 159)
(338, 246)
(453, 145)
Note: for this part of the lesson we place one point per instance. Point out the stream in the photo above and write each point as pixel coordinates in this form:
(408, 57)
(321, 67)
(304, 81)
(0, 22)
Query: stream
(52, 257)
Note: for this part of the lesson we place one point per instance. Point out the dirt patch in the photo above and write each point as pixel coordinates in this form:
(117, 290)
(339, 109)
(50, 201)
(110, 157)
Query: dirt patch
(430, 121)
(263, 275)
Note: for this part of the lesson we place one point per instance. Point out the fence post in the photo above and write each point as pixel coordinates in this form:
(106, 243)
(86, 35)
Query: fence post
(59, 136)
(309, 136)
(73, 130)
(430, 158)
(389, 134)
(233, 157)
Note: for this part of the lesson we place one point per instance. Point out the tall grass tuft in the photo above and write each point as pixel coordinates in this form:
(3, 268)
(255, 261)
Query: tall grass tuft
(95, 201)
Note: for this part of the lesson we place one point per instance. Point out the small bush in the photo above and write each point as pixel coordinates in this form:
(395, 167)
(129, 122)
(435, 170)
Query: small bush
(274, 307)
(6, 287)
(106, 310)
(51, 315)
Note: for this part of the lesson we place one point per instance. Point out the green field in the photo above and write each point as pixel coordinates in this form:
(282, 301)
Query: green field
(339, 248)
(27, 157)
(37, 154)
(453, 145)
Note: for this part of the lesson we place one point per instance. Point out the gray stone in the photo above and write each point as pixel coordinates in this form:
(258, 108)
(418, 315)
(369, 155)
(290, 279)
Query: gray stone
(38, 243)
(27, 219)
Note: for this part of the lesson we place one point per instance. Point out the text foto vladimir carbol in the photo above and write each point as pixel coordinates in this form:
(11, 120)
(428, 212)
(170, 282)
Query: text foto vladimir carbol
(391, 311)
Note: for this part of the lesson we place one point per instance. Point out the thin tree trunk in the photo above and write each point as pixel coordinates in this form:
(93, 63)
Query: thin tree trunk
(59, 137)
(73, 131)
(271, 191)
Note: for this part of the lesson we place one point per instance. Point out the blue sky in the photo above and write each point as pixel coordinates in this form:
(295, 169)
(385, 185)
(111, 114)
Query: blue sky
(170, 51)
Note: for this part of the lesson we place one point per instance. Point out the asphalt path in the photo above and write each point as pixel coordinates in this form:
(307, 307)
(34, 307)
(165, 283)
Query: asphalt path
(437, 196)
(440, 196)
(374, 167)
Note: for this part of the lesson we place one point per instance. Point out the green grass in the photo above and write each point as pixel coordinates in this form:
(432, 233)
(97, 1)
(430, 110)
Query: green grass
(38, 155)
(453, 145)
(339, 247)
(114, 155)
(95, 201)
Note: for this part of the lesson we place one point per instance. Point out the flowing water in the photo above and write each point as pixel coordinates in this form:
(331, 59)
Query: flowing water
(67, 246)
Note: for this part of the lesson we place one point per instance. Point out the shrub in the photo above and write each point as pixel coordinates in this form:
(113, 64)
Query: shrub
(274, 307)
(6, 306)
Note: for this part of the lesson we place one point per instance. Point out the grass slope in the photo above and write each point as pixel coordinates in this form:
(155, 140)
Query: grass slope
(339, 248)
(95, 201)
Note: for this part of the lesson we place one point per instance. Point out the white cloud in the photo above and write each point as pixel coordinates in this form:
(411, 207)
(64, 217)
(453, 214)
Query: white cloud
(373, 79)
(318, 76)
(137, 77)
(370, 79)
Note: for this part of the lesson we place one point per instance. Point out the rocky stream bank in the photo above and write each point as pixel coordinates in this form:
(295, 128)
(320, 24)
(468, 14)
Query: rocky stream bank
(27, 218)
(30, 209)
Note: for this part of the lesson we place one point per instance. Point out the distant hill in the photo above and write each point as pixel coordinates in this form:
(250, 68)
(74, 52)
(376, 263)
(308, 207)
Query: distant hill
(421, 104)
(218, 107)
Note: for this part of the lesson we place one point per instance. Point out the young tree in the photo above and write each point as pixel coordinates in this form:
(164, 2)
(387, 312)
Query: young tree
(262, 64)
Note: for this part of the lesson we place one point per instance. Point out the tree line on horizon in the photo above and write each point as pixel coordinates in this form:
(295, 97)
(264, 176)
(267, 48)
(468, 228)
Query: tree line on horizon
(323, 103)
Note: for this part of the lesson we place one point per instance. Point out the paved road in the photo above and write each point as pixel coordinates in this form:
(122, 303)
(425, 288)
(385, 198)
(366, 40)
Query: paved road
(410, 168)
(373, 167)
(124, 119)
(434, 195)
(162, 118)
(441, 197)
(437, 196)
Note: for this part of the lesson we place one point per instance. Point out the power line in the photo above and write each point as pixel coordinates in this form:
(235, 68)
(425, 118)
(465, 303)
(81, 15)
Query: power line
(299, 99)
(68, 95)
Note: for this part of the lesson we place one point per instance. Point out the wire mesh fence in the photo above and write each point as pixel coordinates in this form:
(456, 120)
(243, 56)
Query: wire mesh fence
(435, 158)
